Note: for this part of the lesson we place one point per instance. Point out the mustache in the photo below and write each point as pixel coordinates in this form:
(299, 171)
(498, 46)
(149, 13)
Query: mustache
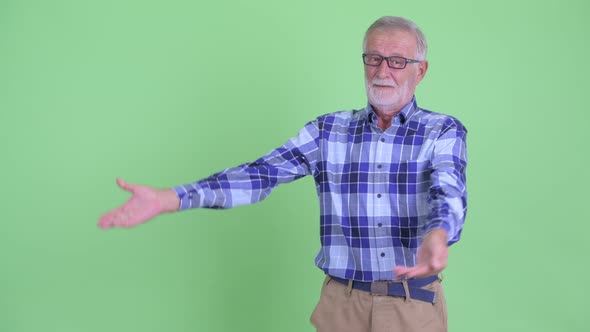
(383, 82)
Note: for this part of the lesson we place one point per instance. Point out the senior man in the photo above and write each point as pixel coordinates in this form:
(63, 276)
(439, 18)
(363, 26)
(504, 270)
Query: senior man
(390, 180)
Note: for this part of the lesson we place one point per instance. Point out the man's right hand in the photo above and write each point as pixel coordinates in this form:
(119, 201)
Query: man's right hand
(144, 204)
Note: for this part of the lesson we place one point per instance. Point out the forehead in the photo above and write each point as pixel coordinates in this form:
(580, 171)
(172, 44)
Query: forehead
(399, 42)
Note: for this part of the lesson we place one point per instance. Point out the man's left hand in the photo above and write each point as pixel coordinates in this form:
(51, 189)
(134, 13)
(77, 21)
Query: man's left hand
(432, 257)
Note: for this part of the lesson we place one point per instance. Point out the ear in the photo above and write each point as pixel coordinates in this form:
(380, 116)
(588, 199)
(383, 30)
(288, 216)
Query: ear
(421, 72)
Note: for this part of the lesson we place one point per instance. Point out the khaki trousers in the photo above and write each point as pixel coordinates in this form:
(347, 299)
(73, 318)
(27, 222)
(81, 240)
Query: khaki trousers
(344, 309)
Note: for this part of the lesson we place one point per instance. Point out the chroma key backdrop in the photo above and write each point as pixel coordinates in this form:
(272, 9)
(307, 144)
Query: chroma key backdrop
(164, 93)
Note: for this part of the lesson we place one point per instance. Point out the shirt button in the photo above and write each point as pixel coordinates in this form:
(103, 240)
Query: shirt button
(379, 224)
(383, 140)
(379, 166)
(382, 254)
(378, 195)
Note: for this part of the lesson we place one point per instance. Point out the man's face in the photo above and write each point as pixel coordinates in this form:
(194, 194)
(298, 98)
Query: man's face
(391, 89)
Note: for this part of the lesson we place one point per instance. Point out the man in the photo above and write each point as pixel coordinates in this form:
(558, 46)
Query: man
(391, 183)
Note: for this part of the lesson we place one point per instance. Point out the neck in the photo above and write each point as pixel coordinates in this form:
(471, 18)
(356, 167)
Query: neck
(385, 115)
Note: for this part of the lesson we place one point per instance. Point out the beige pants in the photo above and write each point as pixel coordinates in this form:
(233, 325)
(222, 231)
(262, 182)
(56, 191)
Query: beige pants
(343, 309)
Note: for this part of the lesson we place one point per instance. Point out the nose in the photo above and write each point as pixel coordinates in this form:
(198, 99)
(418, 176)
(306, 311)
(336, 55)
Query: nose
(383, 69)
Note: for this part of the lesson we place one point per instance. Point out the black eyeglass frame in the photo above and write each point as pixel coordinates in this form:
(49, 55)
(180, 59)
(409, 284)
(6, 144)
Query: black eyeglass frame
(405, 60)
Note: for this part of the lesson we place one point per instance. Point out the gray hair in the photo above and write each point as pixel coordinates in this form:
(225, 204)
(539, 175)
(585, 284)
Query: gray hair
(396, 23)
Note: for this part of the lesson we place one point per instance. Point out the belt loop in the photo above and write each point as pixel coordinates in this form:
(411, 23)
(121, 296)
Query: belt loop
(407, 290)
(349, 288)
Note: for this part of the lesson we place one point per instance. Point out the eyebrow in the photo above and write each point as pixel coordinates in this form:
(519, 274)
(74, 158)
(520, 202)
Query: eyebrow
(379, 53)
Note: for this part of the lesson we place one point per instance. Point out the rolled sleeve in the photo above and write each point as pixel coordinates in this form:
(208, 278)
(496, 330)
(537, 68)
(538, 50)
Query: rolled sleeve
(252, 182)
(447, 197)
(189, 198)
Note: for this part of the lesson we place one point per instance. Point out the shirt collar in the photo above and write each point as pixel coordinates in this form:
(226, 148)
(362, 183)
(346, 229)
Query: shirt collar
(406, 112)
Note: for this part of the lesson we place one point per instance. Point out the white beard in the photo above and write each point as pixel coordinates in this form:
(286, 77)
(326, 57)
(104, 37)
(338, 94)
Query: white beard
(386, 96)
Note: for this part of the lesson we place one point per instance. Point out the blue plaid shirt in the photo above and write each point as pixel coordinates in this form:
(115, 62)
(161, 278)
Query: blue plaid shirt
(379, 191)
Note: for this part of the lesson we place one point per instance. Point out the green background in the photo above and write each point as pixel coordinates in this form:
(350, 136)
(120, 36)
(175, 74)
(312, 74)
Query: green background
(166, 92)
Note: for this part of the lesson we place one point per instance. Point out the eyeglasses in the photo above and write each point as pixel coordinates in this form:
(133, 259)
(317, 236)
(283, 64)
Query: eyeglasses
(395, 62)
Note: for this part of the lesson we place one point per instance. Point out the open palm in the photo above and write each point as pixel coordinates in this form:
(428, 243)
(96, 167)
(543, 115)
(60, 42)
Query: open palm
(144, 204)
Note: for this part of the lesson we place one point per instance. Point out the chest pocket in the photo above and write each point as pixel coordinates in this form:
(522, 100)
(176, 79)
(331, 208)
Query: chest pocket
(411, 184)
(412, 177)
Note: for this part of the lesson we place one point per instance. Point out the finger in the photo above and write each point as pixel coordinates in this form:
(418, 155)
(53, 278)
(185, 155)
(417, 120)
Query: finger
(400, 271)
(417, 271)
(105, 221)
(113, 218)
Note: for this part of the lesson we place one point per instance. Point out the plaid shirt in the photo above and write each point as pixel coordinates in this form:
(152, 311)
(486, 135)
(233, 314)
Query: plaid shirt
(379, 191)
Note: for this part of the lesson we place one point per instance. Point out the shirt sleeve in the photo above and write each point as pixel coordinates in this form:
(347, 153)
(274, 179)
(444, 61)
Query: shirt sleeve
(447, 197)
(252, 182)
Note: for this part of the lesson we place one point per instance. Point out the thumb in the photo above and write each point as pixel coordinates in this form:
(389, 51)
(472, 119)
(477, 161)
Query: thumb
(125, 186)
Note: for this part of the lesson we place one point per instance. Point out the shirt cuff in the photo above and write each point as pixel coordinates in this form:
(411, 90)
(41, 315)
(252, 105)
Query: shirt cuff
(188, 198)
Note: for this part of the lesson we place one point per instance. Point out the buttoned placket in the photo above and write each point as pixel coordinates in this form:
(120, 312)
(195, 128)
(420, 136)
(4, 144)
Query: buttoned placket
(380, 223)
